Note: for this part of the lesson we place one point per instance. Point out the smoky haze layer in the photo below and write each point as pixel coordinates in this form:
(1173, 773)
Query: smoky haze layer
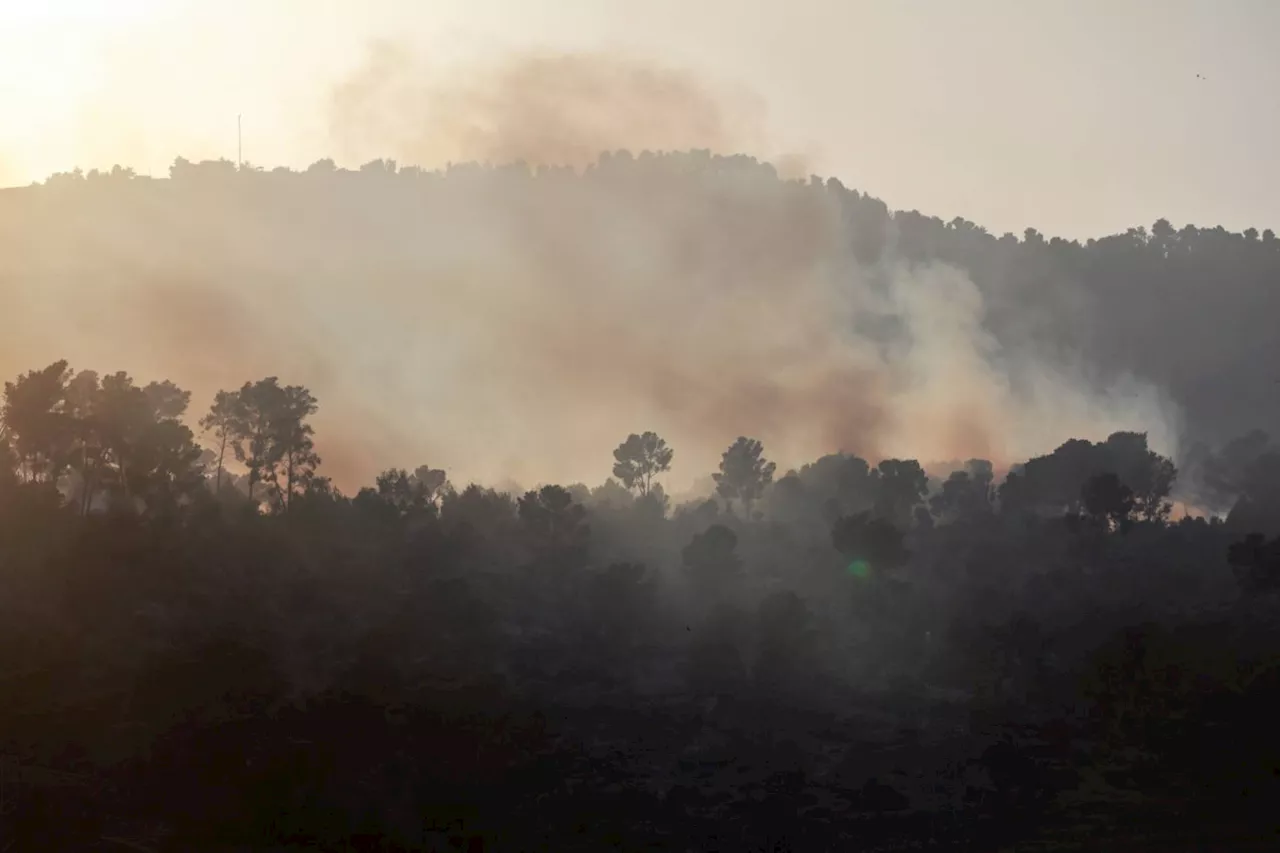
(506, 324)
(542, 109)
(519, 321)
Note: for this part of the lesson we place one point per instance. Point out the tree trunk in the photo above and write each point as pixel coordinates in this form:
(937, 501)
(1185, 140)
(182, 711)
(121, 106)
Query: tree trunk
(85, 479)
(222, 453)
(257, 446)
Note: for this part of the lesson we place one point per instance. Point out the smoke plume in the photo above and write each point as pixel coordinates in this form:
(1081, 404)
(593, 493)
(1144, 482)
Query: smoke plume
(510, 323)
(543, 109)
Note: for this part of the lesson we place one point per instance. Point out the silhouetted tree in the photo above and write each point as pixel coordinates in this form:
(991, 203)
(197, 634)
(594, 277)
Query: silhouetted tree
(639, 459)
(82, 405)
(431, 483)
(1108, 501)
(123, 414)
(965, 494)
(166, 458)
(611, 494)
(142, 450)
(655, 504)
(253, 429)
(814, 496)
(1054, 484)
(39, 431)
(901, 487)
(223, 420)
(579, 492)
(393, 488)
(847, 479)
(744, 473)
(8, 469)
(479, 508)
(555, 525)
(1146, 473)
(292, 453)
(409, 494)
(270, 436)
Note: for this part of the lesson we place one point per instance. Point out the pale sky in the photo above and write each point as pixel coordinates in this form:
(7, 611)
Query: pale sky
(1078, 118)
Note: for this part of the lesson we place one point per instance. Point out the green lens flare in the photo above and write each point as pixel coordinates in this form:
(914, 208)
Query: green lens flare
(860, 569)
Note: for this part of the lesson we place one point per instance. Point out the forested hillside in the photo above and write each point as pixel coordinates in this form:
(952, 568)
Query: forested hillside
(693, 289)
(214, 638)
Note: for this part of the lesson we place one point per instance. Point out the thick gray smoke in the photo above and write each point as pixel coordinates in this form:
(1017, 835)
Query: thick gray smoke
(509, 326)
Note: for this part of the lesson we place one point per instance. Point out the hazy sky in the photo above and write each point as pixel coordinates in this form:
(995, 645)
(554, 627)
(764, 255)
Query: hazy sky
(1075, 117)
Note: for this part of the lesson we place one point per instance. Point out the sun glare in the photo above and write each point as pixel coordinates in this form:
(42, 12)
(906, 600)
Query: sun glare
(51, 65)
(82, 11)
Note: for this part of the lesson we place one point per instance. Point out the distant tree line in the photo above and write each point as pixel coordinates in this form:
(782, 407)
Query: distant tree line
(1187, 308)
(107, 442)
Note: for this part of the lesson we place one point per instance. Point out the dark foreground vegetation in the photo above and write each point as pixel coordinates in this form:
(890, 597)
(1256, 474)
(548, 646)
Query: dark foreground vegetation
(844, 657)
(205, 645)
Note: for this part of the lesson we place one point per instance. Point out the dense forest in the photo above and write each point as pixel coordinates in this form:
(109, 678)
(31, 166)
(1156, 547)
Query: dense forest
(208, 644)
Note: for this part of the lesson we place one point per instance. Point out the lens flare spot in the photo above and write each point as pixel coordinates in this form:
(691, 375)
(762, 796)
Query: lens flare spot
(860, 569)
